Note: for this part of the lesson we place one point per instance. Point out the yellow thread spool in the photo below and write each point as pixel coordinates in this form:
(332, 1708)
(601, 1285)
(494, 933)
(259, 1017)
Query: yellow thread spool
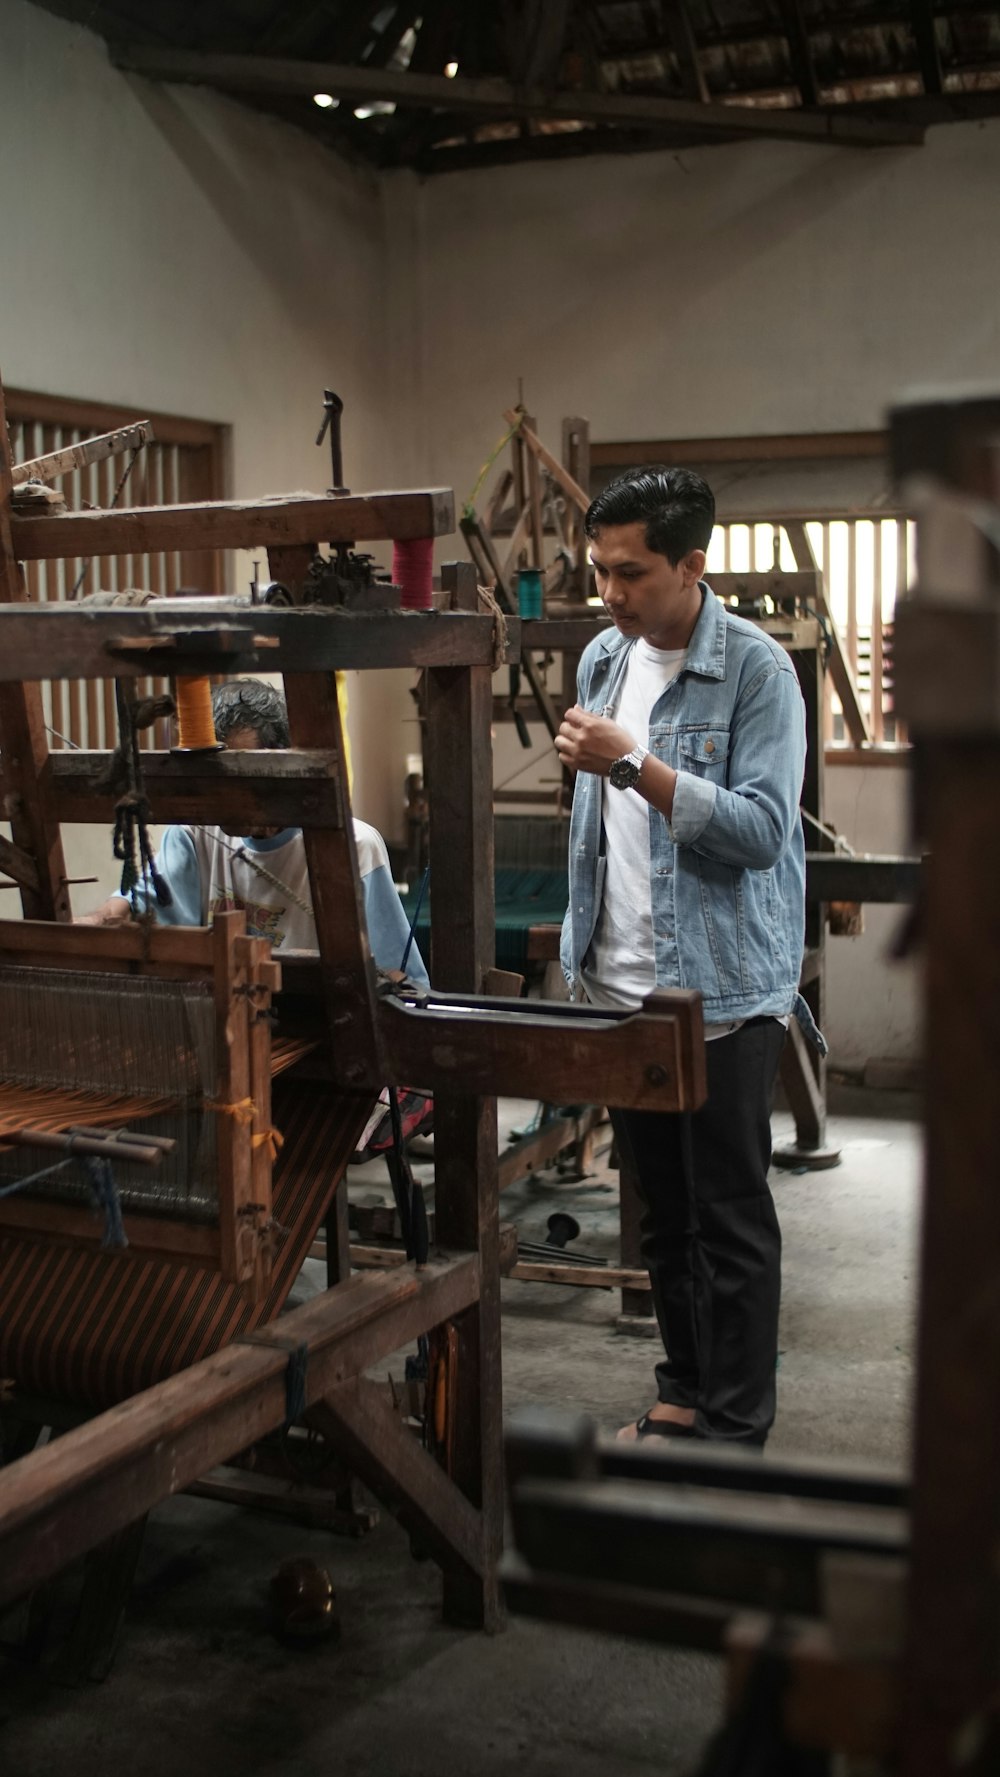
(195, 726)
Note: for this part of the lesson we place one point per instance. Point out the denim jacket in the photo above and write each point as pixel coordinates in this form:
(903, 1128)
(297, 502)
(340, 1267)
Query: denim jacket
(728, 868)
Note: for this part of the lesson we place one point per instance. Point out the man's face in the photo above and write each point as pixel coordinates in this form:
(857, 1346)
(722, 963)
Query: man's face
(247, 740)
(643, 592)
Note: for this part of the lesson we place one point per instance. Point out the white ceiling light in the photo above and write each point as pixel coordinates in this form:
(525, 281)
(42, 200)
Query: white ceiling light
(451, 69)
(377, 108)
(325, 101)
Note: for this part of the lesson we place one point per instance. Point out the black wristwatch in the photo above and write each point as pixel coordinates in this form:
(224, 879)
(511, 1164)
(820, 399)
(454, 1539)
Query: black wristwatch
(624, 773)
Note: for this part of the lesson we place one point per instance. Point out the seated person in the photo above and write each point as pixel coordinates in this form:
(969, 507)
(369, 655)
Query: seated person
(264, 872)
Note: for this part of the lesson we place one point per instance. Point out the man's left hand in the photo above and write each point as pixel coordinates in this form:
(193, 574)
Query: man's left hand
(586, 742)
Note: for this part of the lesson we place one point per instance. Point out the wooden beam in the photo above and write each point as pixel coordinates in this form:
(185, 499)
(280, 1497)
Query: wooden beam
(841, 671)
(800, 51)
(929, 55)
(23, 746)
(236, 524)
(647, 1060)
(78, 1490)
(572, 489)
(459, 772)
(19, 865)
(685, 48)
(60, 641)
(498, 98)
(386, 1456)
(77, 456)
(346, 963)
(269, 789)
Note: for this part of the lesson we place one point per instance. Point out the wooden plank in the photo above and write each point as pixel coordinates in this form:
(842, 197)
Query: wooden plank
(23, 743)
(93, 947)
(266, 789)
(497, 98)
(839, 665)
(585, 1277)
(76, 456)
(237, 524)
(82, 1487)
(788, 447)
(58, 641)
(459, 774)
(648, 1060)
(384, 1453)
(75, 1225)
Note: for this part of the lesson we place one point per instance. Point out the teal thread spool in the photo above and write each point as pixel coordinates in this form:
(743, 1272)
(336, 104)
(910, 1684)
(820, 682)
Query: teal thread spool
(529, 592)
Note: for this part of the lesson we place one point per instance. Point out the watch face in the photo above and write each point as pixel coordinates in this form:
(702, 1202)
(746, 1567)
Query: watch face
(624, 774)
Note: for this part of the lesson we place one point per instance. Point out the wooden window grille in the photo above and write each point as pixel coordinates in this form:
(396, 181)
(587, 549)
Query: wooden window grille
(867, 563)
(185, 461)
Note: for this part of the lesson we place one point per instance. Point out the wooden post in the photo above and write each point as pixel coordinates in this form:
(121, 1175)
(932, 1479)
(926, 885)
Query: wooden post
(459, 776)
(23, 744)
(954, 1611)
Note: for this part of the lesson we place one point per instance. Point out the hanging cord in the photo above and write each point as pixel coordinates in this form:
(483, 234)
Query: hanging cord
(131, 843)
(469, 509)
(103, 1189)
(122, 479)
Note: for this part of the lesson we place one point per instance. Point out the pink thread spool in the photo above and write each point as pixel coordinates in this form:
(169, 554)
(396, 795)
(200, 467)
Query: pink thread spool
(412, 562)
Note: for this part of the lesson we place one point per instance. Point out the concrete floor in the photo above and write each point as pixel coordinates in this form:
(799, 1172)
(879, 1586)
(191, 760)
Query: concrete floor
(200, 1685)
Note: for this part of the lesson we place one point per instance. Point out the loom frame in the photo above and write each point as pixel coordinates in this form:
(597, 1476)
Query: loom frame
(243, 978)
(460, 1508)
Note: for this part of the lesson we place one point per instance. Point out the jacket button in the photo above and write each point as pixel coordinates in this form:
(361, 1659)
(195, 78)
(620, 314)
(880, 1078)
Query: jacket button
(710, 746)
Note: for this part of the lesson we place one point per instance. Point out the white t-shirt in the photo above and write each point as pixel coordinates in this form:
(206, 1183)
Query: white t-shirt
(619, 969)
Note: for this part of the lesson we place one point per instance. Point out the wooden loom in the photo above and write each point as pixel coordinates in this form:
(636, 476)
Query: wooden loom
(171, 1314)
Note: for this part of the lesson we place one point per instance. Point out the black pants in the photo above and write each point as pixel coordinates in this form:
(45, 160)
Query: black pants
(711, 1239)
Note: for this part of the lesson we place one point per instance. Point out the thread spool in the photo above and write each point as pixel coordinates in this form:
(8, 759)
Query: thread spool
(412, 563)
(529, 592)
(195, 723)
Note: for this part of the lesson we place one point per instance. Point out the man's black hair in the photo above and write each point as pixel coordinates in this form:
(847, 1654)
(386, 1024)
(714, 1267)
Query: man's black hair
(676, 506)
(250, 703)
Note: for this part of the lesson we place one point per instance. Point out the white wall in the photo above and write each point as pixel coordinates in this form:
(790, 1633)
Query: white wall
(169, 249)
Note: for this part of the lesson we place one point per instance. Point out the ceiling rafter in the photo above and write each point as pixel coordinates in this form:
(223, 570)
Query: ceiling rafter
(928, 54)
(499, 99)
(800, 51)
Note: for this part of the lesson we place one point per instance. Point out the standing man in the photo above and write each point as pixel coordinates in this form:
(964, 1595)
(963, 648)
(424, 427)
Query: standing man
(687, 869)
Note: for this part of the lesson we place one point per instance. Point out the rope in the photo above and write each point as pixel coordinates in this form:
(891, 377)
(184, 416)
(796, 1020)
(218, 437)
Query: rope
(103, 1189)
(131, 843)
(469, 509)
(487, 598)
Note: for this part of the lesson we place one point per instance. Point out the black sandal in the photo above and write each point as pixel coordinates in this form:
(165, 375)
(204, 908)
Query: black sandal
(646, 1427)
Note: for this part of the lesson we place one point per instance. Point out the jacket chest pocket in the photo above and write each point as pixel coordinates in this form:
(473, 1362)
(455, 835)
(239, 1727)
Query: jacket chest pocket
(703, 751)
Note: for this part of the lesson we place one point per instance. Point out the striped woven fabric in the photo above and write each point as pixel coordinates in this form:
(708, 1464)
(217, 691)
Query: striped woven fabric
(94, 1327)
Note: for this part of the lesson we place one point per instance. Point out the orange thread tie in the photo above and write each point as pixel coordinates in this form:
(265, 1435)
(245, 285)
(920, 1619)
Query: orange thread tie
(274, 1139)
(242, 1109)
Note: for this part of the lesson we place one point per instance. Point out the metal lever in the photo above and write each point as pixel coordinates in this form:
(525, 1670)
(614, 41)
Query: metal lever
(333, 407)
